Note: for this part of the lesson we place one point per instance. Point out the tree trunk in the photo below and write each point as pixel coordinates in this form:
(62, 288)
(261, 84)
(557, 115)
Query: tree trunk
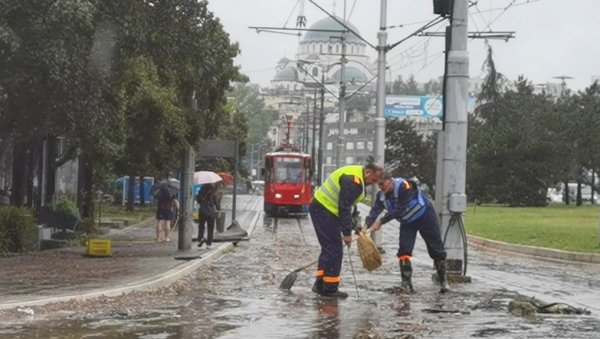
(579, 198)
(131, 193)
(18, 174)
(142, 192)
(33, 164)
(51, 156)
(85, 186)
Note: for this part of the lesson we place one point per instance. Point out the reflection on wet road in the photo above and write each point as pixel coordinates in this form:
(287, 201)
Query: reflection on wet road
(237, 296)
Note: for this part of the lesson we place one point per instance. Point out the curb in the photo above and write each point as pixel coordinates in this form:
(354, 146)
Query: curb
(476, 241)
(147, 284)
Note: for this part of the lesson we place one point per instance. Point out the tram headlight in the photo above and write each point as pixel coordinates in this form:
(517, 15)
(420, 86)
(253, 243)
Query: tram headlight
(277, 195)
(296, 196)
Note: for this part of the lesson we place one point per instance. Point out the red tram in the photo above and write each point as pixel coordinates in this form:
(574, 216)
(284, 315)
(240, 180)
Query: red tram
(288, 187)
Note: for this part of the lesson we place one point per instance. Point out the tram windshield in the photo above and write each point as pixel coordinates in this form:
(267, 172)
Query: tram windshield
(288, 170)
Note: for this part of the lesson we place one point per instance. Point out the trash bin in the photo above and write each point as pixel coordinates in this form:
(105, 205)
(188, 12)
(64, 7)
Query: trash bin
(220, 220)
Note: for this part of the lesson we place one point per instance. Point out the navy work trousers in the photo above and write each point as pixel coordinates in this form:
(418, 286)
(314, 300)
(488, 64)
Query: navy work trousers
(428, 226)
(329, 232)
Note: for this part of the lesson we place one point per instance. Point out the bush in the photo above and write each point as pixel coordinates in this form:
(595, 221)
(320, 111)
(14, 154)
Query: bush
(18, 229)
(66, 206)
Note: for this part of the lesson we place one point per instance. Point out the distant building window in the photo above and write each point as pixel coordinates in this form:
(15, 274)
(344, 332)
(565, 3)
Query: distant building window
(350, 145)
(370, 145)
(315, 71)
(329, 146)
(360, 145)
(349, 160)
(329, 160)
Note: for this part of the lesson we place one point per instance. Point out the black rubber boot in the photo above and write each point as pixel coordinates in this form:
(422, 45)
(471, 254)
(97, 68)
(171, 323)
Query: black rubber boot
(406, 274)
(333, 294)
(317, 286)
(440, 266)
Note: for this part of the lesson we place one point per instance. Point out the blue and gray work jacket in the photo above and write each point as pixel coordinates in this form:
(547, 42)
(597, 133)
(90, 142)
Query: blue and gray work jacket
(405, 203)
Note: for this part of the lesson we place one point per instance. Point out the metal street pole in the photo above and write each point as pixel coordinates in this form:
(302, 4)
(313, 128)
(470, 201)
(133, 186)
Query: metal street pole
(314, 132)
(452, 143)
(321, 131)
(188, 163)
(380, 103)
(342, 116)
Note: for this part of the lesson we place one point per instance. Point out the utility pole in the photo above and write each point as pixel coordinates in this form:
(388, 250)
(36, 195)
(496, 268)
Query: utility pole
(340, 145)
(314, 132)
(380, 103)
(188, 164)
(321, 132)
(450, 194)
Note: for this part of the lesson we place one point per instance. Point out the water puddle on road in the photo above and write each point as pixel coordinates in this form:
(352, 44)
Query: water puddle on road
(238, 296)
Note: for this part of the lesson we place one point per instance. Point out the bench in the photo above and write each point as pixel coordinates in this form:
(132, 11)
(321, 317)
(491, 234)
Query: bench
(61, 224)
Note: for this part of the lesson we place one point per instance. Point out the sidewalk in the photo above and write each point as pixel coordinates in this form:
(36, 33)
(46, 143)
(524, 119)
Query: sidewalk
(138, 263)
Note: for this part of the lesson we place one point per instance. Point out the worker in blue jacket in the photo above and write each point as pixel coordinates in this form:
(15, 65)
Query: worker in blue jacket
(331, 214)
(404, 201)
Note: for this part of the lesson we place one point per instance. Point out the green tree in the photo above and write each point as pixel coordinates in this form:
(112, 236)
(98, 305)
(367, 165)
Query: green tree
(510, 152)
(247, 100)
(409, 154)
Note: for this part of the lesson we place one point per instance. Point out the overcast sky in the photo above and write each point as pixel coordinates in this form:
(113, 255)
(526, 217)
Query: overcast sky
(552, 37)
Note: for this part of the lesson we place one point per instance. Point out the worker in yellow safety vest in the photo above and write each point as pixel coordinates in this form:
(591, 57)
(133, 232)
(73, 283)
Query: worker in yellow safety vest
(331, 214)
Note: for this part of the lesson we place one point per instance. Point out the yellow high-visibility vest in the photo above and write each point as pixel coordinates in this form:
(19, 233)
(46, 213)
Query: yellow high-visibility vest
(328, 194)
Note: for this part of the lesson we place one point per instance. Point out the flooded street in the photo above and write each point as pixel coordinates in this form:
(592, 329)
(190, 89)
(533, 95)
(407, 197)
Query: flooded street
(237, 295)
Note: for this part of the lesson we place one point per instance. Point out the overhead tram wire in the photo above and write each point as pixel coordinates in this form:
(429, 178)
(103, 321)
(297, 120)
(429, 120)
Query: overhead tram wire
(348, 29)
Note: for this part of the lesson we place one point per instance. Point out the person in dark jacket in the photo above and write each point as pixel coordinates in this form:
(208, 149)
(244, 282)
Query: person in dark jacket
(207, 199)
(404, 201)
(331, 214)
(166, 207)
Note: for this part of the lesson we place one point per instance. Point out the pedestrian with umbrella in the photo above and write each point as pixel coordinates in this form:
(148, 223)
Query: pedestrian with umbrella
(166, 206)
(207, 199)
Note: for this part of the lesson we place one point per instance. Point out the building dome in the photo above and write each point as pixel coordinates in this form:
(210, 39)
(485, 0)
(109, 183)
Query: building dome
(322, 31)
(351, 74)
(286, 74)
(283, 61)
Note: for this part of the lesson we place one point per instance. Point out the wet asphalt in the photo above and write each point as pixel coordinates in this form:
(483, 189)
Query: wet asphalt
(237, 295)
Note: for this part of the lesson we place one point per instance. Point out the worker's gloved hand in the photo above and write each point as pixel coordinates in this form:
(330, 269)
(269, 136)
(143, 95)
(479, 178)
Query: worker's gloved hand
(347, 240)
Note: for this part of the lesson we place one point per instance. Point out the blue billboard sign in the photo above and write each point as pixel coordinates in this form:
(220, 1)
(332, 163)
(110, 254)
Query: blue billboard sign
(423, 107)
(399, 106)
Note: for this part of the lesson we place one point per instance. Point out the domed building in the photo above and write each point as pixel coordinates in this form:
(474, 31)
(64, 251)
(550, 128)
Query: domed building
(319, 58)
(297, 83)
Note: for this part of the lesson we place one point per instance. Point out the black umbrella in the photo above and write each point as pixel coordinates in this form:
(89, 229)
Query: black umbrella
(172, 184)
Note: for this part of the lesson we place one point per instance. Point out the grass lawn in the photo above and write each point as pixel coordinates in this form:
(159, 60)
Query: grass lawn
(569, 228)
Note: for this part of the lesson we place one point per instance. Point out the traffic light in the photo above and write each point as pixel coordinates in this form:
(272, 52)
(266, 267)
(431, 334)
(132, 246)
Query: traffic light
(442, 7)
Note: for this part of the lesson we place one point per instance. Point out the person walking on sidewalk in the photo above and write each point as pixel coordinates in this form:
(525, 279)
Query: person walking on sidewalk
(405, 202)
(207, 199)
(331, 214)
(166, 207)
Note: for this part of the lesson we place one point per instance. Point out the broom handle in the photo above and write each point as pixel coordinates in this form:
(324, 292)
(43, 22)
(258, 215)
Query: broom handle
(302, 268)
(306, 266)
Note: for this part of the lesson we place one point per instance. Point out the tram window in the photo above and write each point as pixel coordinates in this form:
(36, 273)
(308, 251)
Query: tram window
(288, 170)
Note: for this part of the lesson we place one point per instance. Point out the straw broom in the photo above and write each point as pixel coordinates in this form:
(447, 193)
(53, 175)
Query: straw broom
(369, 254)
